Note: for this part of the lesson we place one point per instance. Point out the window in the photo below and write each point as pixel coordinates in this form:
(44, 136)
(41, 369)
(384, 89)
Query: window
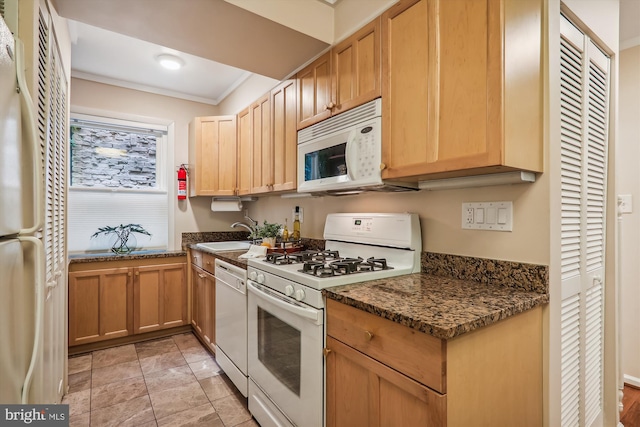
(117, 176)
(106, 155)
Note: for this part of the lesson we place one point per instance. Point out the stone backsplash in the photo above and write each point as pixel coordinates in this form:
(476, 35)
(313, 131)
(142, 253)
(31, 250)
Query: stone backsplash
(528, 277)
(212, 236)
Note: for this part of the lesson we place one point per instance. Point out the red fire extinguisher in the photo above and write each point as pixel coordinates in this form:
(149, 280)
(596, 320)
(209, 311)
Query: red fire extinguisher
(182, 183)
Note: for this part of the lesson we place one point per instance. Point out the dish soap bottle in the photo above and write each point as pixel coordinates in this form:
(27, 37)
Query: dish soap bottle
(285, 232)
(296, 224)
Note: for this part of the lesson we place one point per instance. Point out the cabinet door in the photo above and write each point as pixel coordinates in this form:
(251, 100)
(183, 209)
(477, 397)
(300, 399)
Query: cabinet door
(160, 297)
(262, 176)
(406, 37)
(100, 305)
(356, 68)
(197, 285)
(466, 87)
(245, 152)
(314, 91)
(364, 392)
(285, 141)
(215, 156)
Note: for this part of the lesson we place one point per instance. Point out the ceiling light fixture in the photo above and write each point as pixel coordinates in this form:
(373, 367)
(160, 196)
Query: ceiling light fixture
(170, 62)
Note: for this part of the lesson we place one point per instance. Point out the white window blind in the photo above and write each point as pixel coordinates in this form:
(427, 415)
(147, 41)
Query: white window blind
(584, 94)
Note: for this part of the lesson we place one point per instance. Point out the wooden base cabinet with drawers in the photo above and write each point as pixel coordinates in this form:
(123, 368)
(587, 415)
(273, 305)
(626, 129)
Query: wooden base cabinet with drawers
(115, 299)
(203, 297)
(382, 373)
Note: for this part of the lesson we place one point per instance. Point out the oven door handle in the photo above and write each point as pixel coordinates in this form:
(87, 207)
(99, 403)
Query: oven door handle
(282, 302)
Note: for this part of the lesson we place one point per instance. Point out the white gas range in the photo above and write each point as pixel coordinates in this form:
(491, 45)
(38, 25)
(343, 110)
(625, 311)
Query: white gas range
(285, 308)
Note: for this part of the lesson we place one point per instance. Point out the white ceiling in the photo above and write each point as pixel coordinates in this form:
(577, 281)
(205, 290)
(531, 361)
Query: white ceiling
(218, 45)
(221, 44)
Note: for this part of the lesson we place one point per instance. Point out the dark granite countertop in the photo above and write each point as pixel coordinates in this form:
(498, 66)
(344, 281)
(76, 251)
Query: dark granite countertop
(110, 256)
(439, 306)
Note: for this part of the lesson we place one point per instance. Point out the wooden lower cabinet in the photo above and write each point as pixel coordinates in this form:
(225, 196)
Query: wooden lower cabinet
(203, 303)
(488, 377)
(114, 299)
(363, 392)
(100, 305)
(160, 297)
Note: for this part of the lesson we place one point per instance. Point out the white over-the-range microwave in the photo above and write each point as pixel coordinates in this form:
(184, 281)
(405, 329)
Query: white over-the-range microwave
(342, 154)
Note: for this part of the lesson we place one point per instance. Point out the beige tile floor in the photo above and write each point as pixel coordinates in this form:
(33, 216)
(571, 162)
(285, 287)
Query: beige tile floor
(165, 382)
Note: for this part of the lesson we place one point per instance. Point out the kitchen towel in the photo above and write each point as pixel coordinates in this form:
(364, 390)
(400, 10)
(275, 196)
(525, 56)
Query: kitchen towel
(226, 205)
(255, 251)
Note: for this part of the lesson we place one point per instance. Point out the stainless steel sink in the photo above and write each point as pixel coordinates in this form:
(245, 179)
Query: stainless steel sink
(236, 245)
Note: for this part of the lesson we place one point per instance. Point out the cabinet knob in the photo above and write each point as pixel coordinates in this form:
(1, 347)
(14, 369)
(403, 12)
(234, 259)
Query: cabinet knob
(326, 351)
(331, 105)
(137, 273)
(367, 336)
(383, 166)
(200, 275)
(129, 274)
(325, 107)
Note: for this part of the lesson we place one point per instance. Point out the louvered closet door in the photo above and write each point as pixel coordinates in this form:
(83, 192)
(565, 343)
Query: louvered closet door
(584, 127)
(53, 126)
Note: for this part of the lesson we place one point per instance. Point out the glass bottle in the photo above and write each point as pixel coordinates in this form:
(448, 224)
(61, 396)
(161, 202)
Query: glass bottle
(296, 224)
(285, 232)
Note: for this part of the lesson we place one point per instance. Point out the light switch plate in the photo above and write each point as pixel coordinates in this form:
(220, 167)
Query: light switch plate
(625, 203)
(493, 216)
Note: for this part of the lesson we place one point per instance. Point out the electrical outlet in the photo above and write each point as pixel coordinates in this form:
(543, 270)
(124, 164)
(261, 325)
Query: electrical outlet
(494, 216)
(468, 215)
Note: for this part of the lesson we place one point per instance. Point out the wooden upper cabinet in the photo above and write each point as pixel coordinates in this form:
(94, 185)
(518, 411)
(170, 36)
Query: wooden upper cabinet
(356, 68)
(245, 152)
(284, 136)
(314, 91)
(262, 174)
(213, 156)
(345, 77)
(457, 96)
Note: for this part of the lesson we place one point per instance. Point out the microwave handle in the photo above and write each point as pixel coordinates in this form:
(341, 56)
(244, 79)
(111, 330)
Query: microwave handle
(349, 157)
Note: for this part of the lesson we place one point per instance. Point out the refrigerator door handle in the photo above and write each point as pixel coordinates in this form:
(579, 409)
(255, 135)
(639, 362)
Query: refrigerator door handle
(39, 294)
(32, 140)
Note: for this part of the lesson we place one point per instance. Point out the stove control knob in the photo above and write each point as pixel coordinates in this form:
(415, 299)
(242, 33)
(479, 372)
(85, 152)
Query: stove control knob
(288, 290)
(253, 275)
(261, 278)
(299, 295)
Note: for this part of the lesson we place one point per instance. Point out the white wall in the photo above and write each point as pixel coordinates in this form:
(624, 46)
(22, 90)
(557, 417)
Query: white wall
(193, 214)
(629, 183)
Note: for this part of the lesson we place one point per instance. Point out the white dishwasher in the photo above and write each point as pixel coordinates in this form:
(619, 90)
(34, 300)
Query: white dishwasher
(231, 323)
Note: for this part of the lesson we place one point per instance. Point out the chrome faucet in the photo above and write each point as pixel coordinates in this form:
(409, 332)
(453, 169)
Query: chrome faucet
(243, 225)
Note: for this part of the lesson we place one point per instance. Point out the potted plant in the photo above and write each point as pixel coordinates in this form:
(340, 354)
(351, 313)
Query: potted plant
(268, 232)
(125, 242)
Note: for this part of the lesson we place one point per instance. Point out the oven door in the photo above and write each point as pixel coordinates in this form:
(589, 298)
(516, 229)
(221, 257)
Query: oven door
(285, 354)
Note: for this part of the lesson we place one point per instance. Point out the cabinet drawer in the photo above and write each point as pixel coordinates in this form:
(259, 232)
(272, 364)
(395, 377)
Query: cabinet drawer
(203, 260)
(415, 354)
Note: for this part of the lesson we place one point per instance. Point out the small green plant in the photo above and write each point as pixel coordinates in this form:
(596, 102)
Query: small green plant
(123, 232)
(266, 230)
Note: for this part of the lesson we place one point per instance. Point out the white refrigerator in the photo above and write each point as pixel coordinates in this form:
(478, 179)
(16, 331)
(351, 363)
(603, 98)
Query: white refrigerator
(24, 370)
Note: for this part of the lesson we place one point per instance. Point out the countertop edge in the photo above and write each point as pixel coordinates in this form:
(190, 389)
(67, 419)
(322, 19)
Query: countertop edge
(86, 258)
(442, 332)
